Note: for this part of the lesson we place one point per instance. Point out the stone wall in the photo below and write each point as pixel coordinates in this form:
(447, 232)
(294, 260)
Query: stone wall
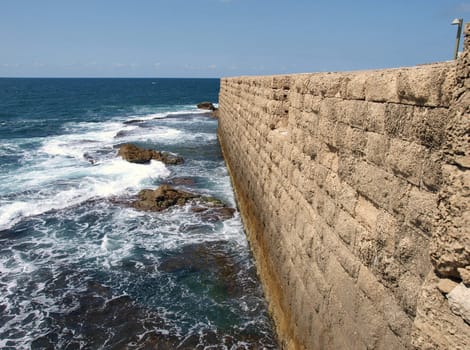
(340, 178)
(443, 315)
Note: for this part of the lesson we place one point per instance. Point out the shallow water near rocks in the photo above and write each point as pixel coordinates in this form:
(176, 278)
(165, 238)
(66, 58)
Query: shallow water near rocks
(78, 270)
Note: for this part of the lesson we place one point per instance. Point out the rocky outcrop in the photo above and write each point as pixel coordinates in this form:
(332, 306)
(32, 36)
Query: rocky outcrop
(165, 196)
(162, 198)
(135, 154)
(206, 105)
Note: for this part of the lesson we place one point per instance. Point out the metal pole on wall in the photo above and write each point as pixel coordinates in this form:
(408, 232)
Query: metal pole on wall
(457, 21)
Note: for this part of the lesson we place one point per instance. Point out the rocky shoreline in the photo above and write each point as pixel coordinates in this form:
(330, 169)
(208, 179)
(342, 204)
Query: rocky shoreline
(166, 195)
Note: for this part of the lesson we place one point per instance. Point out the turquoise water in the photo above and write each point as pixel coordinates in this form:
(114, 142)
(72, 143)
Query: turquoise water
(80, 269)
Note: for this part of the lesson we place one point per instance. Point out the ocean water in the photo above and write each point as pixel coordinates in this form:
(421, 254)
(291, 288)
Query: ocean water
(81, 269)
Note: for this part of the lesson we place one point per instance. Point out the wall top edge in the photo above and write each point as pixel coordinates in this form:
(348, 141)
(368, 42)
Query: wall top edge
(427, 66)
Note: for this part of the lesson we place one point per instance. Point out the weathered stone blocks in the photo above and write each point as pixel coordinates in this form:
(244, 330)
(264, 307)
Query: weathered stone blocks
(340, 178)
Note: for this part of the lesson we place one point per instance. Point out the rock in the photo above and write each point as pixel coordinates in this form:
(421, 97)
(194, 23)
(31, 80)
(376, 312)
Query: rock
(208, 258)
(217, 214)
(122, 133)
(89, 158)
(206, 105)
(446, 285)
(167, 158)
(180, 181)
(465, 274)
(135, 154)
(162, 198)
(165, 196)
(133, 121)
(459, 301)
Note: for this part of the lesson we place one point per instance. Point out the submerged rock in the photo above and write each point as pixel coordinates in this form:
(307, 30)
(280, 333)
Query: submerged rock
(135, 154)
(165, 196)
(180, 181)
(89, 158)
(206, 105)
(210, 258)
(133, 121)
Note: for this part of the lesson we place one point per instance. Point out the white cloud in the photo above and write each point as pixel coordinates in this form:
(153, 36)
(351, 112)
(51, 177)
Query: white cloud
(212, 66)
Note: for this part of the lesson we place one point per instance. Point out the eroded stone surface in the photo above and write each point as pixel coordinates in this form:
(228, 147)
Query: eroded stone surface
(339, 178)
(459, 301)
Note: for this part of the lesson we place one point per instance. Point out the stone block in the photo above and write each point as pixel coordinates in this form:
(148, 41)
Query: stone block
(423, 85)
(326, 84)
(374, 120)
(406, 160)
(377, 148)
(428, 126)
(312, 103)
(328, 159)
(299, 83)
(354, 141)
(346, 197)
(354, 113)
(412, 250)
(409, 286)
(432, 172)
(398, 321)
(422, 206)
(370, 285)
(355, 87)
(367, 213)
(381, 86)
(379, 186)
(346, 227)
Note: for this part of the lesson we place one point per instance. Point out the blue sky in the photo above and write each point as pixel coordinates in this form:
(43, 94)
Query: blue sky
(214, 38)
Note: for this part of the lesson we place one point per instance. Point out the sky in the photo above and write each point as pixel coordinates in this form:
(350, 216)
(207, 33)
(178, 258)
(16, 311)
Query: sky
(217, 38)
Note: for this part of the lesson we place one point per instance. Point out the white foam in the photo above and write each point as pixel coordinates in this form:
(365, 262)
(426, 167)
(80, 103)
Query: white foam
(162, 115)
(111, 178)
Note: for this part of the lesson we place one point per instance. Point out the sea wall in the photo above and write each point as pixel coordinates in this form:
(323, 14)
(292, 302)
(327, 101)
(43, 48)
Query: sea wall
(350, 185)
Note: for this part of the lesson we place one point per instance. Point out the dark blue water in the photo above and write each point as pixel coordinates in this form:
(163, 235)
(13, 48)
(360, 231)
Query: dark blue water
(79, 267)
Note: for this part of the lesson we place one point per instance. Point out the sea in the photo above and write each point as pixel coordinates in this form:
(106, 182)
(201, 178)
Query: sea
(82, 269)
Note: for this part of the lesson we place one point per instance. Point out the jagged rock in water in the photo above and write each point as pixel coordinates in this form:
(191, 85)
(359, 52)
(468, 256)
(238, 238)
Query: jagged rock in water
(165, 196)
(135, 154)
(133, 121)
(162, 198)
(206, 105)
(89, 158)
